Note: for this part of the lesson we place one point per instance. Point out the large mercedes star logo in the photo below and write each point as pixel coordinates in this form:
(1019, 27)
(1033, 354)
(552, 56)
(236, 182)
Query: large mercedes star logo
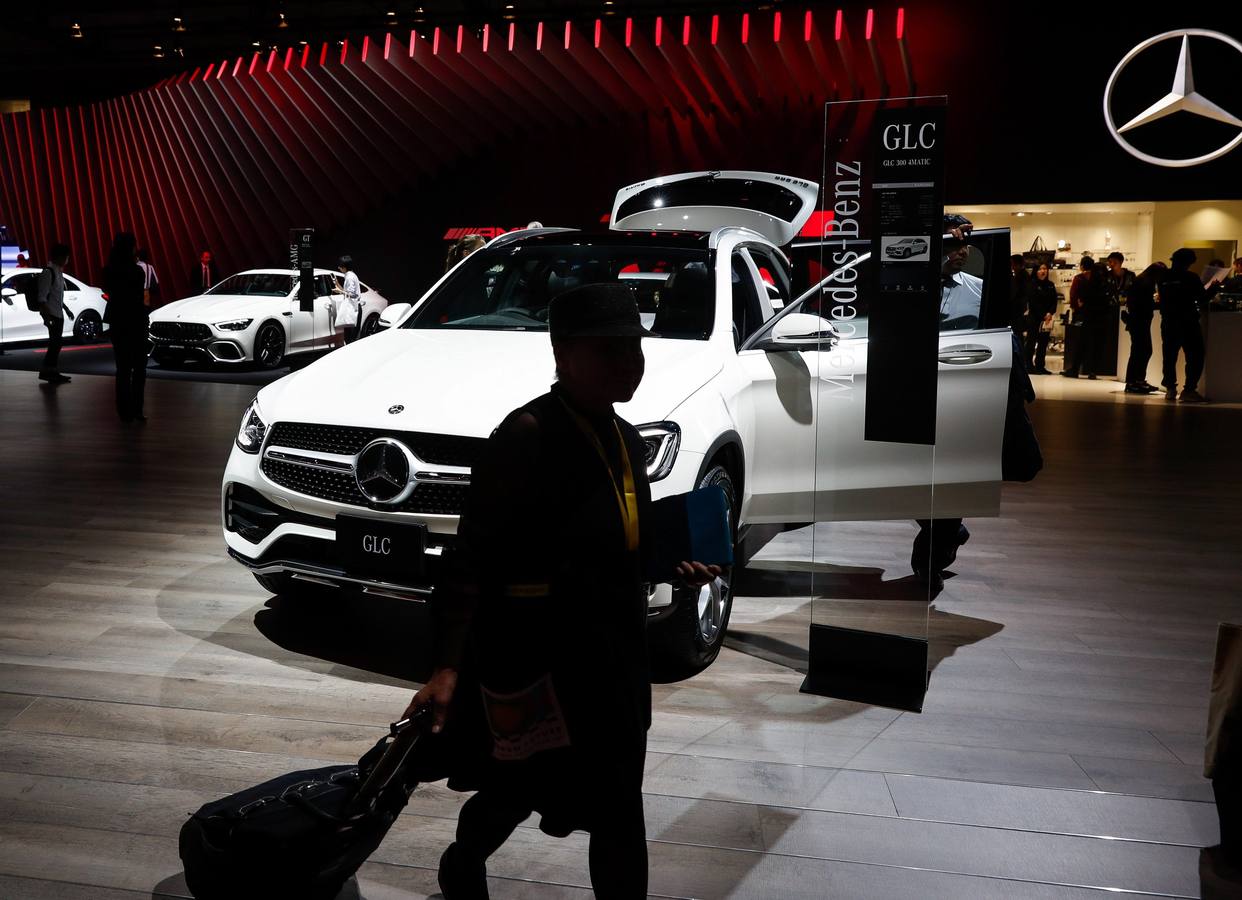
(384, 471)
(1183, 98)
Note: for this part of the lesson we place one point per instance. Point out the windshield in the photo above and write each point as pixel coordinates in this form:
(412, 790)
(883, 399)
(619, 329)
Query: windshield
(509, 288)
(255, 284)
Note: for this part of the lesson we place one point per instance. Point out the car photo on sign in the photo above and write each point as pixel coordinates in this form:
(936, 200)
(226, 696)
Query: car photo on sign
(910, 249)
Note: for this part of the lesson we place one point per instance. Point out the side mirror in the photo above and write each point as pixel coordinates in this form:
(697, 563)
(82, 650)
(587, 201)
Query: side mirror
(393, 314)
(8, 292)
(800, 331)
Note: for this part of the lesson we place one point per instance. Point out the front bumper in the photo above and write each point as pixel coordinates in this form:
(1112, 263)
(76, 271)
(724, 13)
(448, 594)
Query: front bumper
(213, 348)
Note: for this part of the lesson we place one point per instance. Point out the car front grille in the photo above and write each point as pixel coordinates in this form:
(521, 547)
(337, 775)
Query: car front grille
(338, 484)
(180, 332)
(435, 449)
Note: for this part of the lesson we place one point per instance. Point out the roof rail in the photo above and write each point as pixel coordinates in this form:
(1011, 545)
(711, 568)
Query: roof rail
(511, 236)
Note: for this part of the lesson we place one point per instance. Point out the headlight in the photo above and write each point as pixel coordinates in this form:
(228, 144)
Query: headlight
(662, 440)
(234, 325)
(253, 429)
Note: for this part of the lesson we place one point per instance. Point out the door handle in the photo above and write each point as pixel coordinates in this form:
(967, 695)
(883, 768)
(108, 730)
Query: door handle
(965, 355)
(286, 314)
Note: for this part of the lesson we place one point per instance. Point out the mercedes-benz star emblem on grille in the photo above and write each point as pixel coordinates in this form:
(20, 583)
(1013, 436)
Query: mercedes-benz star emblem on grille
(396, 409)
(1182, 98)
(384, 471)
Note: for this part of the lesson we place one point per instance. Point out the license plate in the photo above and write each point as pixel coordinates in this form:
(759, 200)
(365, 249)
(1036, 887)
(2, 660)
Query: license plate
(386, 551)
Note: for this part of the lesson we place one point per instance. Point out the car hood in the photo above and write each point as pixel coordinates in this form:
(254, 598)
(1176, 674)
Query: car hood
(219, 308)
(464, 382)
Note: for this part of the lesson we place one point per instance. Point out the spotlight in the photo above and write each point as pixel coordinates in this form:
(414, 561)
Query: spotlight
(282, 21)
(178, 24)
(158, 52)
(255, 44)
(75, 30)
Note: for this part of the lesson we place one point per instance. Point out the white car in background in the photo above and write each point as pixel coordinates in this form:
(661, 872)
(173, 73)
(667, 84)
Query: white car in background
(254, 316)
(18, 323)
(352, 472)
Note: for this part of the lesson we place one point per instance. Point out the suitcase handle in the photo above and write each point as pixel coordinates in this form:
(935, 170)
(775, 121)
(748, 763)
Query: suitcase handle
(404, 736)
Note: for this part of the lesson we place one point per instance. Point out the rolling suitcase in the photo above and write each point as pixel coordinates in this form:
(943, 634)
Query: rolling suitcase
(305, 833)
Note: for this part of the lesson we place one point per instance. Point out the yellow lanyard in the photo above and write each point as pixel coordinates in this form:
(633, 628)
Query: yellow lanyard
(627, 502)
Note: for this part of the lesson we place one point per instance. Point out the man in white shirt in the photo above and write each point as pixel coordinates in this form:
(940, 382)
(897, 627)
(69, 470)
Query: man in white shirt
(961, 294)
(348, 303)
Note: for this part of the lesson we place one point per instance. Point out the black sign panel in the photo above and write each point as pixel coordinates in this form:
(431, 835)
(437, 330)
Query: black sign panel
(906, 220)
(302, 261)
(380, 550)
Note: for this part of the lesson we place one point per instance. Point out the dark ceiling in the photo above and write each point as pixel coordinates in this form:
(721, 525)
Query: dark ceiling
(44, 62)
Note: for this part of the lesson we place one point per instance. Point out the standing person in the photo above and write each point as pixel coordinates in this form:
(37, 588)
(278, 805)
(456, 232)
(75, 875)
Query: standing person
(550, 545)
(51, 302)
(1089, 299)
(1181, 296)
(1233, 281)
(463, 247)
(150, 280)
(1019, 294)
(347, 304)
(1140, 307)
(203, 275)
(1041, 307)
(130, 319)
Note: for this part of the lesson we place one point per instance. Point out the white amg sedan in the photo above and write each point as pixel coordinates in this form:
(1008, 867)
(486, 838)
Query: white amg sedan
(254, 316)
(84, 307)
(749, 385)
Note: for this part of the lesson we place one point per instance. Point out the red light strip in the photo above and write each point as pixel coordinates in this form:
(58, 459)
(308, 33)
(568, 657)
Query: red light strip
(220, 71)
(808, 27)
(366, 48)
(685, 31)
(776, 27)
(715, 29)
(461, 33)
(840, 27)
(193, 77)
(344, 50)
(629, 31)
(435, 42)
(568, 31)
(237, 66)
(745, 27)
(870, 23)
(413, 40)
(211, 68)
(487, 36)
(659, 29)
(539, 37)
(901, 22)
(271, 61)
(387, 44)
(512, 34)
(288, 58)
(323, 54)
(305, 55)
(599, 28)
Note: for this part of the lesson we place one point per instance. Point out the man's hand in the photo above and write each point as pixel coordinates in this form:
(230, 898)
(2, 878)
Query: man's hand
(436, 693)
(696, 574)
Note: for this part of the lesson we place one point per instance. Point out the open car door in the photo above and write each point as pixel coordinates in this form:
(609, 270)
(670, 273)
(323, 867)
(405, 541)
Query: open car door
(775, 206)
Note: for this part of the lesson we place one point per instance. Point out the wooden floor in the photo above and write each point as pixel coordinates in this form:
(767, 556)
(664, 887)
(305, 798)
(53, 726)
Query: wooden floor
(1059, 754)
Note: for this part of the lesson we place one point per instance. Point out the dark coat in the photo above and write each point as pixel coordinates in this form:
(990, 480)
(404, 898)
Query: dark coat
(1042, 300)
(196, 277)
(124, 286)
(559, 597)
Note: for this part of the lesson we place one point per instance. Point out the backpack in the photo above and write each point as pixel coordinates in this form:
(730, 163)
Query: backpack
(32, 293)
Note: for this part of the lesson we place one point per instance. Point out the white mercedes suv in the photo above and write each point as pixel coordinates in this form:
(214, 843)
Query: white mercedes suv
(352, 472)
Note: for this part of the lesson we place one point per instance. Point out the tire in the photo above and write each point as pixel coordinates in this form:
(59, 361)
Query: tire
(87, 327)
(269, 346)
(369, 326)
(689, 639)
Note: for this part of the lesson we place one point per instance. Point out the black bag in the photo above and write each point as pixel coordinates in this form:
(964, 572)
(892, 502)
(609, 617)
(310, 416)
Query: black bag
(32, 293)
(1038, 255)
(305, 833)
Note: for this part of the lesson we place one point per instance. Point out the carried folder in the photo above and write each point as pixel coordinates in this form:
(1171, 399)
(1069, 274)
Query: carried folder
(691, 527)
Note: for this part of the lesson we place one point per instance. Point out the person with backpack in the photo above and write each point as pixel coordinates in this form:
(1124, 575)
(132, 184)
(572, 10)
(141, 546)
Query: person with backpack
(49, 302)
